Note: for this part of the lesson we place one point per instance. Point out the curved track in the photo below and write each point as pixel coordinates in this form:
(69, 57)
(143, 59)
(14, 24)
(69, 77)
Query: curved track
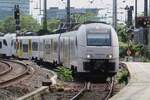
(15, 71)
(95, 91)
(4, 68)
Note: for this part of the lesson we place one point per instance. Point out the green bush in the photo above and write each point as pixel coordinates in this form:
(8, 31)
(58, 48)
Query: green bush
(122, 76)
(64, 73)
(122, 49)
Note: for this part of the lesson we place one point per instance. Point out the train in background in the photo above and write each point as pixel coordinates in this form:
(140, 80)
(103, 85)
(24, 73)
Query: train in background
(91, 47)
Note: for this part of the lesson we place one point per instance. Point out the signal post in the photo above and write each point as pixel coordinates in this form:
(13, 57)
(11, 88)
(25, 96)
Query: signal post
(17, 18)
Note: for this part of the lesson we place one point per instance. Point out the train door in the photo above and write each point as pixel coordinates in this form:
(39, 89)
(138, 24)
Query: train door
(61, 50)
(30, 48)
(41, 48)
(13, 46)
(52, 50)
(65, 52)
(25, 48)
(68, 53)
(55, 49)
(46, 50)
(20, 49)
(35, 51)
(17, 47)
(44, 57)
(35, 48)
(72, 51)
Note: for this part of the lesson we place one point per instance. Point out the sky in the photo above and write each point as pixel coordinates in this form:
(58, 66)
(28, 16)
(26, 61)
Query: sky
(86, 3)
(96, 4)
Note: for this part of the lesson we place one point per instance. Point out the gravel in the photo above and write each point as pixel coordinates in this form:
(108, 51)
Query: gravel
(35, 81)
(27, 84)
(96, 95)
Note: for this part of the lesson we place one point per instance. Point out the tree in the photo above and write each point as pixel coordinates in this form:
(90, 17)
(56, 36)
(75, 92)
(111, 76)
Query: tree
(28, 23)
(1, 27)
(9, 25)
(52, 24)
(122, 34)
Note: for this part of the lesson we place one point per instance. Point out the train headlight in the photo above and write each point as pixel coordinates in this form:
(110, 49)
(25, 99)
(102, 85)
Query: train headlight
(88, 56)
(109, 56)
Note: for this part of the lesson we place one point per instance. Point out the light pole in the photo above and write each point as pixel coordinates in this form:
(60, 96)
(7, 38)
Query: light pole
(135, 13)
(145, 7)
(146, 14)
(68, 15)
(45, 16)
(114, 20)
(68, 22)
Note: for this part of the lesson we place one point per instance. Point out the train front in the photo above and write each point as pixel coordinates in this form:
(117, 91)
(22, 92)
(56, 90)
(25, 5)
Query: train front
(100, 50)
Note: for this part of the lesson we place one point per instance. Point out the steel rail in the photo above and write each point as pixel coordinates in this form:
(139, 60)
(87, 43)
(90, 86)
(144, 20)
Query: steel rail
(79, 94)
(111, 89)
(7, 70)
(18, 76)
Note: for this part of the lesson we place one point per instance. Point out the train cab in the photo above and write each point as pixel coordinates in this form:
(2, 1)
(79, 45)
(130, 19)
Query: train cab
(7, 45)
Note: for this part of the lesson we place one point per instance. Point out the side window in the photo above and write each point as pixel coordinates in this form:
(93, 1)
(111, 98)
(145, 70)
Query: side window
(5, 42)
(76, 41)
(34, 46)
(0, 45)
(25, 47)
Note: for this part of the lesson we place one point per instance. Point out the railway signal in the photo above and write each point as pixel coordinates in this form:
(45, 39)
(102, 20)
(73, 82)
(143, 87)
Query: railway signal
(143, 22)
(17, 17)
(16, 12)
(129, 13)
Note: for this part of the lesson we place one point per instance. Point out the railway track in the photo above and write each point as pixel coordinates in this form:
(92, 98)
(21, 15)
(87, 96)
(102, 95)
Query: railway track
(15, 71)
(95, 91)
(4, 68)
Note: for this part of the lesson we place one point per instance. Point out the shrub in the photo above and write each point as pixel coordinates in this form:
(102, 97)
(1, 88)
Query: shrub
(122, 49)
(122, 76)
(64, 73)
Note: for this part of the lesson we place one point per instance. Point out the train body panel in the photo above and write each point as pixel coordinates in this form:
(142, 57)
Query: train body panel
(68, 49)
(50, 46)
(28, 47)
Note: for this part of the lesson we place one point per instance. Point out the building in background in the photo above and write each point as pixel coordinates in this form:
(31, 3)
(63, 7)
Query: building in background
(55, 12)
(7, 7)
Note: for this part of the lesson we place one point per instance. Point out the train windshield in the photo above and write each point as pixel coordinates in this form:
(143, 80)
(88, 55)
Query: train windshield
(98, 39)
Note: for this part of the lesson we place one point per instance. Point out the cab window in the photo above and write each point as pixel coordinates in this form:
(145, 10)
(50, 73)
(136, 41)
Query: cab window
(0, 44)
(5, 42)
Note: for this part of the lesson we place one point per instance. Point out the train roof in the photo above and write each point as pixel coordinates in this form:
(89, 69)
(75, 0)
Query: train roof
(101, 25)
(27, 37)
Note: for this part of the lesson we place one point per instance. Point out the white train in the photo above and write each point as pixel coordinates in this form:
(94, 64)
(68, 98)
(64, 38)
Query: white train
(90, 47)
